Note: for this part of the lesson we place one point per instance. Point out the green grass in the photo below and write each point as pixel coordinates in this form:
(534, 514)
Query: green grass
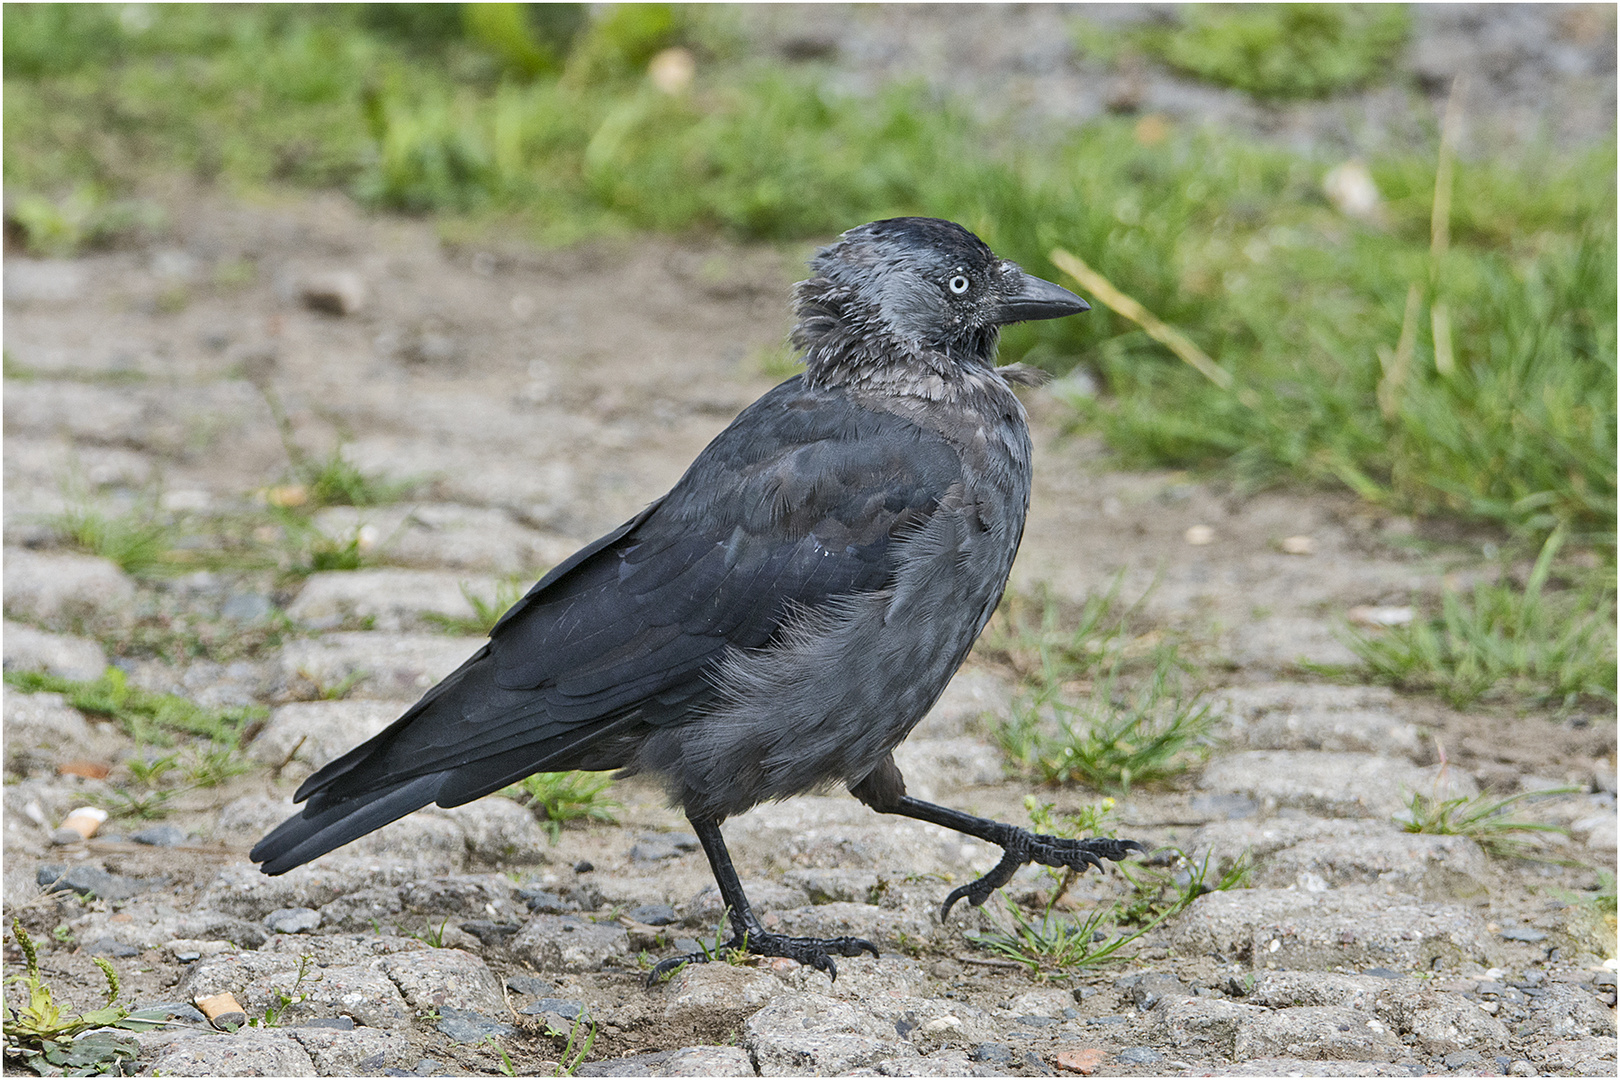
(486, 612)
(1282, 51)
(1049, 943)
(137, 540)
(1482, 819)
(144, 716)
(1532, 643)
(1230, 240)
(1102, 704)
(559, 798)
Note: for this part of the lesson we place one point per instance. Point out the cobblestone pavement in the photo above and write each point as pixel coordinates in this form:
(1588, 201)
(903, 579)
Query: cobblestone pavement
(536, 399)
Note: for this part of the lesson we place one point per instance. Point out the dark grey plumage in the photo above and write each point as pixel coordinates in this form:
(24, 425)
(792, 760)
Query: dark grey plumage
(784, 616)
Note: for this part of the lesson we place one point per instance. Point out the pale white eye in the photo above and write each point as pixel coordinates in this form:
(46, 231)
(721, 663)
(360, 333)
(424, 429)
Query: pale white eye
(959, 284)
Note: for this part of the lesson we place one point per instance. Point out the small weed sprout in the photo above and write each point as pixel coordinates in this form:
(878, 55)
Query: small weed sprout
(1049, 943)
(572, 1058)
(1482, 819)
(505, 1066)
(566, 796)
(282, 1000)
(49, 1039)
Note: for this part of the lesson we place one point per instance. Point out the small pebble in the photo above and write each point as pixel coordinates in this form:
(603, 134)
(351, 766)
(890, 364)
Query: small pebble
(298, 920)
(584, 866)
(1199, 535)
(1084, 1062)
(992, 1053)
(1522, 1068)
(532, 985)
(653, 914)
(160, 836)
(1140, 1055)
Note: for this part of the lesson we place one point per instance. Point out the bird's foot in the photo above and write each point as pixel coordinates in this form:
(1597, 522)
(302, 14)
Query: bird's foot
(814, 952)
(1022, 846)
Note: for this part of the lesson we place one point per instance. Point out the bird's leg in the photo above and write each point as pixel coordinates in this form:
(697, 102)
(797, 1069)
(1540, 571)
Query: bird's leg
(1020, 845)
(747, 934)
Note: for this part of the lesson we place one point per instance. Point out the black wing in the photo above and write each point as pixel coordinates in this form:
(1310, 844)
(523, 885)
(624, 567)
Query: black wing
(802, 498)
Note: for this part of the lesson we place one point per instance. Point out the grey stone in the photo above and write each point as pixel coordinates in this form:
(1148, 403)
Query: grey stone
(1315, 1032)
(247, 607)
(45, 281)
(529, 984)
(1057, 1004)
(1145, 990)
(1580, 1057)
(568, 1010)
(249, 1052)
(63, 655)
(1223, 807)
(833, 885)
(827, 832)
(1426, 866)
(392, 666)
(812, 1034)
(243, 892)
(448, 537)
(546, 902)
(653, 914)
(498, 831)
(363, 909)
(456, 894)
(160, 836)
(1202, 1025)
(389, 601)
(1140, 1055)
(60, 590)
(470, 1027)
(489, 933)
(107, 946)
(299, 920)
(1349, 927)
(1565, 1012)
(329, 1023)
(352, 1053)
(1462, 1058)
(1312, 716)
(700, 991)
(353, 950)
(707, 1061)
(657, 846)
(1288, 989)
(1523, 933)
(1283, 642)
(569, 943)
(993, 1053)
(882, 926)
(315, 732)
(42, 730)
(632, 1065)
(434, 978)
(1330, 784)
(89, 881)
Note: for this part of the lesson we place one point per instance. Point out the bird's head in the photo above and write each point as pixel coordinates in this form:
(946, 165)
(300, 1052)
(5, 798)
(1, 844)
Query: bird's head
(914, 291)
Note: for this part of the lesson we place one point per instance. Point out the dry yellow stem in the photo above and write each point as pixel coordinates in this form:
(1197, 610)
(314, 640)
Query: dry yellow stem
(1155, 327)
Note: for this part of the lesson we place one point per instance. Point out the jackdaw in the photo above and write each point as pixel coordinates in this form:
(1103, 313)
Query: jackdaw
(780, 620)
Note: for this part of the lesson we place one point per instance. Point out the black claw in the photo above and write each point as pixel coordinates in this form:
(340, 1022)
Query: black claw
(1023, 847)
(815, 952)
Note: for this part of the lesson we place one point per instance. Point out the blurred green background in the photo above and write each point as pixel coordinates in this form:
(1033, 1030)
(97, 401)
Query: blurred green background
(1441, 360)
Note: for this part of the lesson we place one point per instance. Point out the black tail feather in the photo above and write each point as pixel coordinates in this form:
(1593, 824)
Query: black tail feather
(316, 831)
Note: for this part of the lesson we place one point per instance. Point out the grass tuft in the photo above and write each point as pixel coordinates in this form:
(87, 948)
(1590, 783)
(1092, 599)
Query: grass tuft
(144, 716)
(1482, 819)
(1532, 642)
(567, 796)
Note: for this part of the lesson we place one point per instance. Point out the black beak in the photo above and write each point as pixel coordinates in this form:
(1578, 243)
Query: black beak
(1038, 299)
